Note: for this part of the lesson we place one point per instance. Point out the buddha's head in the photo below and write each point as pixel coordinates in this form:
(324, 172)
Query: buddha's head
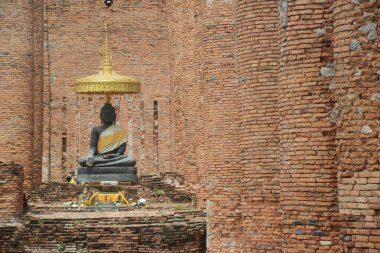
(108, 114)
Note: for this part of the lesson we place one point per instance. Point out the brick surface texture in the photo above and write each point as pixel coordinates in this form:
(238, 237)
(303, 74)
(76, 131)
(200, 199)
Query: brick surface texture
(11, 194)
(269, 109)
(109, 232)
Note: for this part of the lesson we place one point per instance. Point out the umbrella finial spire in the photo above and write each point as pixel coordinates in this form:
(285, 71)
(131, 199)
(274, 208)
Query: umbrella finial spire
(107, 67)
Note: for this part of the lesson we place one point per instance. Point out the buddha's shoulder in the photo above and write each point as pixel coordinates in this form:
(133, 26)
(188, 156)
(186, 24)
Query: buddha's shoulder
(99, 129)
(118, 128)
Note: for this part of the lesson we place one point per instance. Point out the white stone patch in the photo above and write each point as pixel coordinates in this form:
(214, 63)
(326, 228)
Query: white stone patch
(366, 130)
(372, 35)
(328, 71)
(368, 14)
(333, 115)
(332, 86)
(355, 45)
(209, 205)
(283, 9)
(229, 243)
(326, 243)
(370, 29)
(320, 31)
(358, 72)
(375, 96)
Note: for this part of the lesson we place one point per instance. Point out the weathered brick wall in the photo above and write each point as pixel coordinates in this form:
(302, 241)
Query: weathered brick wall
(73, 49)
(306, 112)
(257, 68)
(111, 232)
(221, 132)
(169, 183)
(306, 105)
(38, 65)
(7, 232)
(16, 71)
(206, 113)
(269, 109)
(184, 24)
(11, 192)
(357, 78)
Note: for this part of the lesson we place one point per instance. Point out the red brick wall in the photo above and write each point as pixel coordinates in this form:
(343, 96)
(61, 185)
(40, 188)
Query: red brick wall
(306, 105)
(73, 49)
(257, 68)
(11, 192)
(206, 113)
(221, 130)
(187, 94)
(16, 71)
(153, 232)
(287, 113)
(38, 26)
(269, 109)
(357, 77)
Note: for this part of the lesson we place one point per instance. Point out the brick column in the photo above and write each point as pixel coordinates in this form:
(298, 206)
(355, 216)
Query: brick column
(257, 68)
(357, 76)
(38, 90)
(222, 121)
(306, 102)
(184, 23)
(16, 71)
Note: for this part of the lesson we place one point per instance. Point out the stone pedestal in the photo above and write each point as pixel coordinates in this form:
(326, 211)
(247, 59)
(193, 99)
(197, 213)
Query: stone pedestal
(98, 174)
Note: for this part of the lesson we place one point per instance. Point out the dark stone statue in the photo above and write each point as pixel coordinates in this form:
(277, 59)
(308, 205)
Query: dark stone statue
(106, 157)
(106, 152)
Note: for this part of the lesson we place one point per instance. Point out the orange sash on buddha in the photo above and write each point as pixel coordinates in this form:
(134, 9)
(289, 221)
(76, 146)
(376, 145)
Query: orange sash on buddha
(111, 138)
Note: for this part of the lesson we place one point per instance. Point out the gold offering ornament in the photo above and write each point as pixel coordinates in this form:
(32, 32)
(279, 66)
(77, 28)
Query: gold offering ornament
(107, 82)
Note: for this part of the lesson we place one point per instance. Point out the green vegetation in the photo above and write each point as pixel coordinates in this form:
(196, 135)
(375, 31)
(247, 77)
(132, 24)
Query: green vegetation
(60, 246)
(160, 192)
(181, 208)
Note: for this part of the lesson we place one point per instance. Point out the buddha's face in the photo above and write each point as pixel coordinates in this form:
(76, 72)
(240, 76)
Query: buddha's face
(108, 114)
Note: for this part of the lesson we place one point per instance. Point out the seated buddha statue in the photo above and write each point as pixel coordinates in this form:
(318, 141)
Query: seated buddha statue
(108, 143)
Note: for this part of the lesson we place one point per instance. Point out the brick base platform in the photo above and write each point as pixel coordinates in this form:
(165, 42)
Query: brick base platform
(134, 231)
(168, 224)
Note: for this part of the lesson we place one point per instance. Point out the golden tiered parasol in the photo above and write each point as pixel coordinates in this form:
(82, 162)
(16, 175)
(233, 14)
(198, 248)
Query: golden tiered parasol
(107, 82)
